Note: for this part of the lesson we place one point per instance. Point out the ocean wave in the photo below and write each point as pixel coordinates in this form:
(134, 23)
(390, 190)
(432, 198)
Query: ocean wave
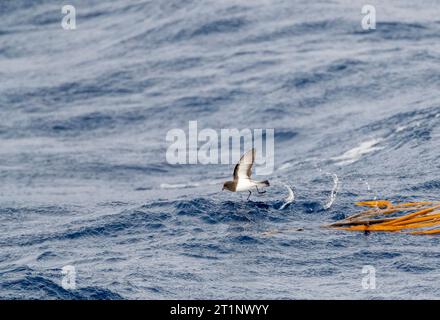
(38, 287)
(398, 30)
(85, 115)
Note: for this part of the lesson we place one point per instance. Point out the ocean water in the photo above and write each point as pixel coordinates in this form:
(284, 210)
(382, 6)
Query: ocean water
(84, 114)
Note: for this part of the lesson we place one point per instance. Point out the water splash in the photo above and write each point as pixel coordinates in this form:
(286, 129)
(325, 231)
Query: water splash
(290, 197)
(332, 197)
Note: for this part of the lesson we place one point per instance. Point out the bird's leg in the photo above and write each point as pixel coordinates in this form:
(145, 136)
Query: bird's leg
(249, 195)
(260, 192)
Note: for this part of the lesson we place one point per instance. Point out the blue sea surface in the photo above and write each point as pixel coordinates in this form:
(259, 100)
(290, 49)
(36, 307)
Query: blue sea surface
(84, 115)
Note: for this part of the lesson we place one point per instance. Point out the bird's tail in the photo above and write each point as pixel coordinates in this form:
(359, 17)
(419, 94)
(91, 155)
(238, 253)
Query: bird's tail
(264, 183)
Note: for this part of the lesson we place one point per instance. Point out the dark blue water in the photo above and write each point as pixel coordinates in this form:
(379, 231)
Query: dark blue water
(84, 116)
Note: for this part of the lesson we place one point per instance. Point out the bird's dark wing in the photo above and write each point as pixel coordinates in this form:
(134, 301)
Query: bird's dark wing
(243, 169)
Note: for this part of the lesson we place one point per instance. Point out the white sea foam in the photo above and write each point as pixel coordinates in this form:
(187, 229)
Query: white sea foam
(284, 166)
(356, 153)
(178, 185)
(401, 128)
(189, 184)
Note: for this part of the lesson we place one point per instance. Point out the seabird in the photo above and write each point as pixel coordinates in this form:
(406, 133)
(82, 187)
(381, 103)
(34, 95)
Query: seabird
(242, 176)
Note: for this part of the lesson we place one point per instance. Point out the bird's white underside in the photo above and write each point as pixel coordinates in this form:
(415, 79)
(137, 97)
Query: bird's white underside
(245, 185)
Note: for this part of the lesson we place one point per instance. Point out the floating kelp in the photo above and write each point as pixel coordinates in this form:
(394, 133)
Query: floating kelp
(410, 217)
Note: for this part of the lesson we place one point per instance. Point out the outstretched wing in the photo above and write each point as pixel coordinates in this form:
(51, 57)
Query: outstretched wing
(243, 169)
